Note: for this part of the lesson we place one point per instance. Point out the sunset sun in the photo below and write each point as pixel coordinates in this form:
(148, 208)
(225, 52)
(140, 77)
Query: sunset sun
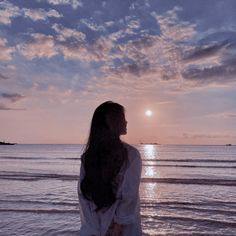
(148, 113)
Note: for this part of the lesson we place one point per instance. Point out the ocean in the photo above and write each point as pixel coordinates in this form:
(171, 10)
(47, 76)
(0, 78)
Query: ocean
(185, 190)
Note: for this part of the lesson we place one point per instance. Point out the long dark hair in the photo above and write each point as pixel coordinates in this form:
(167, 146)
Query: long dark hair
(104, 155)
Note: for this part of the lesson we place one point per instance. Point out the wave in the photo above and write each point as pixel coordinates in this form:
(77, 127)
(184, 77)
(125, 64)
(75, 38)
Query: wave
(144, 160)
(175, 219)
(156, 206)
(4, 201)
(64, 231)
(205, 203)
(189, 166)
(25, 158)
(34, 176)
(209, 209)
(42, 211)
(192, 220)
(39, 176)
(38, 158)
(191, 160)
(143, 203)
(225, 182)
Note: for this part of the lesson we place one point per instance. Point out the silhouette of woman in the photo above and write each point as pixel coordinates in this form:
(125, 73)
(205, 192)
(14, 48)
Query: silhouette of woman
(110, 173)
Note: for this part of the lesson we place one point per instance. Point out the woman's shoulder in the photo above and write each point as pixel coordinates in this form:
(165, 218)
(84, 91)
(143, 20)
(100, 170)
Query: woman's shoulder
(133, 152)
(130, 147)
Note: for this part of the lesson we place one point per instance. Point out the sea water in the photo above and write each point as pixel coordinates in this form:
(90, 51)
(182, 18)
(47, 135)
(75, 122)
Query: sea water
(185, 190)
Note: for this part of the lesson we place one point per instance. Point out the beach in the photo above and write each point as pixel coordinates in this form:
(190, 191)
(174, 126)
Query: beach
(185, 189)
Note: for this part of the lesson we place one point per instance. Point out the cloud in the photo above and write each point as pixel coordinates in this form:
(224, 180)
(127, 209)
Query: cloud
(156, 56)
(227, 115)
(69, 43)
(134, 24)
(208, 136)
(73, 3)
(40, 46)
(65, 34)
(144, 55)
(178, 53)
(40, 14)
(205, 74)
(224, 71)
(98, 51)
(172, 28)
(3, 77)
(6, 52)
(134, 68)
(138, 58)
(92, 25)
(213, 61)
(3, 107)
(231, 115)
(8, 11)
(14, 97)
(126, 49)
(148, 57)
(200, 53)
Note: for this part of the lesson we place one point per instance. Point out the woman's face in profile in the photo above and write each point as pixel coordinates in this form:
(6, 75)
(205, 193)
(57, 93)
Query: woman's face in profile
(123, 125)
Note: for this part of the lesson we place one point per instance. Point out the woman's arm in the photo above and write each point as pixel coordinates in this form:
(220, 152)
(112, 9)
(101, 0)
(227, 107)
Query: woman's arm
(128, 205)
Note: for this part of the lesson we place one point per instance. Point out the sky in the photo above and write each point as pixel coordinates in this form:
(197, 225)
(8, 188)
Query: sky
(60, 59)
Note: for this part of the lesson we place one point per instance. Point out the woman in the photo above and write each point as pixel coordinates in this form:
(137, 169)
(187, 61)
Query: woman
(109, 177)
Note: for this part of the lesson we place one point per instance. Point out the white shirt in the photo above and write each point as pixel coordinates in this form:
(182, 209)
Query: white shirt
(125, 210)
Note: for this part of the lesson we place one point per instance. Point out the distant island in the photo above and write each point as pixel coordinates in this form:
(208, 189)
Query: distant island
(6, 143)
(228, 144)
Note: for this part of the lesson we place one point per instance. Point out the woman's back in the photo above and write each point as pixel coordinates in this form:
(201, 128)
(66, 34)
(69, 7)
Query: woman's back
(109, 177)
(126, 209)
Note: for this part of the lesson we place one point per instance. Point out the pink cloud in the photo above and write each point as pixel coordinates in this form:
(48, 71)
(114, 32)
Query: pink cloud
(6, 51)
(40, 46)
(73, 3)
(98, 51)
(67, 33)
(40, 14)
(8, 11)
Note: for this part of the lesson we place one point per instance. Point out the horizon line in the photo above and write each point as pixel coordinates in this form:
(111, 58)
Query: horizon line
(159, 144)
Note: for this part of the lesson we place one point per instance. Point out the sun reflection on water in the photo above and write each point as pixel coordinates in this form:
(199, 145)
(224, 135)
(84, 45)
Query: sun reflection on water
(149, 154)
(150, 170)
(150, 151)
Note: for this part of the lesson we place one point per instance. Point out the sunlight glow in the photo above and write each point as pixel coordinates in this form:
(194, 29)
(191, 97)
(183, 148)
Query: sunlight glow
(148, 113)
